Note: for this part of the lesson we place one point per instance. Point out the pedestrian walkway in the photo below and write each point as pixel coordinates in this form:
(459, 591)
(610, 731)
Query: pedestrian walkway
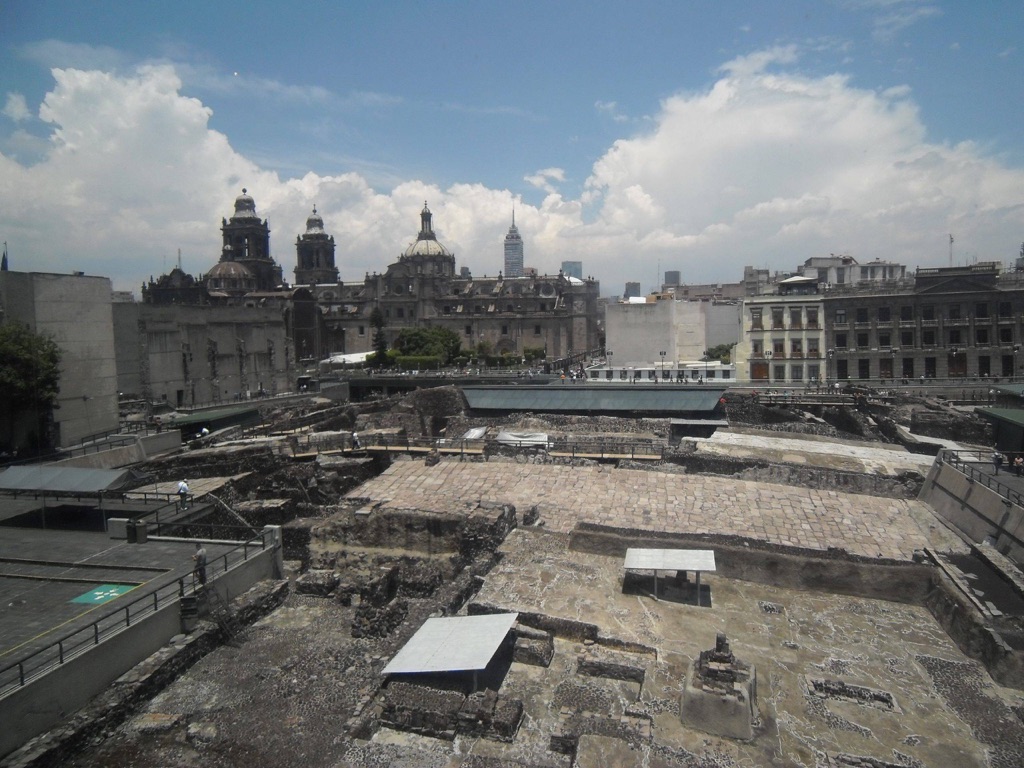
(694, 504)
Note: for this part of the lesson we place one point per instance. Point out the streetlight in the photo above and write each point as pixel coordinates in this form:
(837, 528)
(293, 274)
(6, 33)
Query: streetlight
(1016, 350)
(662, 353)
(768, 356)
(953, 352)
(705, 365)
(894, 351)
(828, 368)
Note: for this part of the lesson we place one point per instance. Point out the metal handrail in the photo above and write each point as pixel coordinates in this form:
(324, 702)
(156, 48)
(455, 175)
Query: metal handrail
(37, 663)
(959, 461)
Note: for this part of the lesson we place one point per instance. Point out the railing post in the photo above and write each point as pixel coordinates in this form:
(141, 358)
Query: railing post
(60, 650)
(127, 616)
(95, 633)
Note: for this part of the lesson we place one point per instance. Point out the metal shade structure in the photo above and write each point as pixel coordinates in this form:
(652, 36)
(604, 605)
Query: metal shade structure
(663, 399)
(453, 644)
(63, 480)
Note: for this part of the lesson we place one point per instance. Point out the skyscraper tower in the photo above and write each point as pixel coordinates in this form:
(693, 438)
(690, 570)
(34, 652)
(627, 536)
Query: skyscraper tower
(513, 250)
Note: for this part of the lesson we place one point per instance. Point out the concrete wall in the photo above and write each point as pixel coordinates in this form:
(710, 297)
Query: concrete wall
(979, 512)
(75, 310)
(638, 333)
(36, 707)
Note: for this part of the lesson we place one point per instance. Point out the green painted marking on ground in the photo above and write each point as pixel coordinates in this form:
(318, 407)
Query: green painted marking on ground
(103, 593)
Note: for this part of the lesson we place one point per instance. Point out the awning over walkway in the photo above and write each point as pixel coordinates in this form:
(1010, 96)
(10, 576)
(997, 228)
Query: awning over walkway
(37, 478)
(600, 398)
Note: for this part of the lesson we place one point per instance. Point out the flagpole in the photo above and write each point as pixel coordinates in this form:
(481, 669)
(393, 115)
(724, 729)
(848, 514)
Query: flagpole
(951, 250)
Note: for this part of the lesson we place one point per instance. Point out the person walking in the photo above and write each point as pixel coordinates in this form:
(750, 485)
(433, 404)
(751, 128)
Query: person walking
(199, 558)
(355, 441)
(1018, 465)
(183, 493)
(997, 460)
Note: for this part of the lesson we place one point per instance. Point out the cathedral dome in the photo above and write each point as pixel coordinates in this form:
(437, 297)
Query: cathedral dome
(426, 241)
(230, 275)
(314, 224)
(245, 206)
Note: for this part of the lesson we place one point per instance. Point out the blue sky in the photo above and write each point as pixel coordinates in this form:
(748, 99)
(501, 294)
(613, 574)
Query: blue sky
(634, 136)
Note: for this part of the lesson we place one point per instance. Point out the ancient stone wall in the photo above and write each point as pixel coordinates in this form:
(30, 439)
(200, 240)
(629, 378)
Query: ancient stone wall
(834, 571)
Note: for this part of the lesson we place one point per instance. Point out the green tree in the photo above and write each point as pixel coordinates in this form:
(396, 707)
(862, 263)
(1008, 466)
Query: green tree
(380, 341)
(442, 343)
(723, 353)
(29, 383)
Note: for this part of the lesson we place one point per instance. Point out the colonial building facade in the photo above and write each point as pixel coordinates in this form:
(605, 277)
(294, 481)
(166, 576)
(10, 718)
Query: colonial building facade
(240, 328)
(942, 323)
(508, 315)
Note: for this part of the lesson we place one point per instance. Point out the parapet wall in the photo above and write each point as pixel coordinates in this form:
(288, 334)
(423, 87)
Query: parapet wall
(978, 512)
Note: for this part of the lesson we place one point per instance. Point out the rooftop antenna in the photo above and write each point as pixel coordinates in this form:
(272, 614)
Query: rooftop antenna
(951, 250)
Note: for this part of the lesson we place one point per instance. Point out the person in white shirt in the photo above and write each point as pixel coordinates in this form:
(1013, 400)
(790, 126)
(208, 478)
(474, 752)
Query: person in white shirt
(183, 493)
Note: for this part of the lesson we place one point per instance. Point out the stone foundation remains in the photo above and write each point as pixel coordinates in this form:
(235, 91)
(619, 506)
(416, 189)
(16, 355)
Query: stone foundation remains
(720, 696)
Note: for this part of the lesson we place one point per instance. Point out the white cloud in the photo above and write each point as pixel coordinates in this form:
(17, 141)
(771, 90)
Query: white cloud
(762, 167)
(542, 179)
(16, 108)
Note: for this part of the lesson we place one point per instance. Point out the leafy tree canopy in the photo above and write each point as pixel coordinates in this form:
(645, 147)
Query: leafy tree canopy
(29, 368)
(722, 352)
(435, 342)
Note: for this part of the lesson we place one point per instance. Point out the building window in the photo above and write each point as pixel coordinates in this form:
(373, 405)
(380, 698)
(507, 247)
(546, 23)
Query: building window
(884, 314)
(797, 372)
(504, 330)
(954, 336)
(928, 312)
(509, 308)
(840, 316)
(842, 369)
(536, 330)
(1006, 335)
(812, 317)
(796, 317)
(812, 348)
(841, 340)
(780, 373)
(400, 312)
(984, 366)
(755, 320)
(862, 314)
(362, 330)
(543, 307)
(929, 367)
(981, 310)
(863, 368)
(862, 340)
(779, 347)
(814, 372)
(447, 309)
(954, 312)
(796, 348)
(908, 367)
(469, 330)
(777, 317)
(1005, 310)
(981, 337)
(907, 338)
(884, 339)
(928, 338)
(906, 313)
(756, 349)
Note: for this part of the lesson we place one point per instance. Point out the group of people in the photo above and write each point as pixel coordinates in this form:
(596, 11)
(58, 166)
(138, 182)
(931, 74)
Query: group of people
(998, 460)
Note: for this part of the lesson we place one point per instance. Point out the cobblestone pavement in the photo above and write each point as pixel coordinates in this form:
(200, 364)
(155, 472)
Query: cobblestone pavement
(780, 514)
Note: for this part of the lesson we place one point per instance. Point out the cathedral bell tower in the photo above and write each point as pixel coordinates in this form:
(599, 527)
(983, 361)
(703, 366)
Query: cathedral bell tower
(315, 254)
